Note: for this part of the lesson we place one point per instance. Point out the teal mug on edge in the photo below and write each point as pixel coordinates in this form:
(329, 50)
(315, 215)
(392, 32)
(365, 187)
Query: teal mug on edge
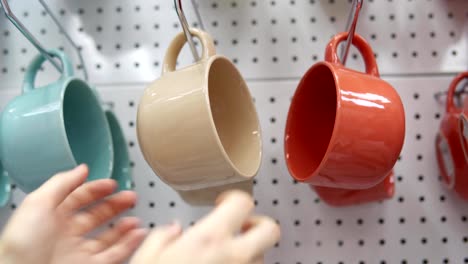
(5, 187)
(121, 171)
(54, 128)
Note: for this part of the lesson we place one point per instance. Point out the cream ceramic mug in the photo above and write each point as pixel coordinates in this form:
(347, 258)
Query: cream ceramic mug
(197, 126)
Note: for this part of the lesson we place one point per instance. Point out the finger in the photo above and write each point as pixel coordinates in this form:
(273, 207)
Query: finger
(231, 212)
(102, 212)
(258, 260)
(259, 234)
(54, 191)
(112, 235)
(123, 249)
(87, 194)
(155, 243)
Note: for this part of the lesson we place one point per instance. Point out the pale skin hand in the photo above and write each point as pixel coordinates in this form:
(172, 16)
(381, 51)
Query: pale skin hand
(215, 239)
(51, 223)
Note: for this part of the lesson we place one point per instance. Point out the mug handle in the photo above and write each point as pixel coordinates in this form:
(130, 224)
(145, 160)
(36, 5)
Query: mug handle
(361, 44)
(35, 65)
(450, 107)
(170, 59)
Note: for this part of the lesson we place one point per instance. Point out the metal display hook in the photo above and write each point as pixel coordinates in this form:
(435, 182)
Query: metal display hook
(197, 13)
(9, 14)
(458, 93)
(351, 28)
(110, 105)
(67, 36)
(185, 27)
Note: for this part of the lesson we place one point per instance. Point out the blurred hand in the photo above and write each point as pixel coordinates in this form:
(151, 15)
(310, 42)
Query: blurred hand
(51, 224)
(229, 235)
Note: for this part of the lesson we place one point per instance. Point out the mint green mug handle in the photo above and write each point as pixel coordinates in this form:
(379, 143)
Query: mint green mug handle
(36, 64)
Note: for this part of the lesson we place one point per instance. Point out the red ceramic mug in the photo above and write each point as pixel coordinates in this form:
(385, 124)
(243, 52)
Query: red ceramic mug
(344, 197)
(464, 128)
(345, 129)
(449, 151)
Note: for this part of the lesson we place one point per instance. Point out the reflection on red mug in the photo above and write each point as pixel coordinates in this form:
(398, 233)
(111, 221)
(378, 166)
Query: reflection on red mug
(345, 129)
(464, 128)
(343, 197)
(450, 157)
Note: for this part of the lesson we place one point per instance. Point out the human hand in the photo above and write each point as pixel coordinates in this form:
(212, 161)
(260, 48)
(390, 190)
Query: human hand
(51, 224)
(216, 238)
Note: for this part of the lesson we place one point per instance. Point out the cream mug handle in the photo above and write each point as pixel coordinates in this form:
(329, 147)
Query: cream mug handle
(170, 59)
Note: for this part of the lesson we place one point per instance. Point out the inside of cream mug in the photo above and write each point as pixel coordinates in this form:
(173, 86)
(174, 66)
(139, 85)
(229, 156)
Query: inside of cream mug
(234, 116)
(310, 122)
(86, 129)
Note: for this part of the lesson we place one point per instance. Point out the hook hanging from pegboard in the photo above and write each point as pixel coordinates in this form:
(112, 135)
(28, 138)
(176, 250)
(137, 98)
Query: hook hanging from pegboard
(459, 93)
(351, 28)
(67, 36)
(29, 36)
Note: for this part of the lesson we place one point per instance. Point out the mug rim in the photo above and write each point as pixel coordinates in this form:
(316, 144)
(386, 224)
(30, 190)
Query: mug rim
(208, 64)
(387, 193)
(330, 66)
(463, 118)
(126, 177)
(65, 83)
(448, 181)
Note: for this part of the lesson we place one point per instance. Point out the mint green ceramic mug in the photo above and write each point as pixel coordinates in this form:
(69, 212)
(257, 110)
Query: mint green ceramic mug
(5, 187)
(54, 128)
(121, 171)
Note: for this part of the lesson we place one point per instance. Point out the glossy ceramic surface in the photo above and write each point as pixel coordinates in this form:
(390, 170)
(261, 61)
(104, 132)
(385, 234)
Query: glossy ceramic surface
(54, 128)
(464, 134)
(197, 126)
(345, 129)
(450, 157)
(5, 187)
(345, 197)
(464, 128)
(121, 171)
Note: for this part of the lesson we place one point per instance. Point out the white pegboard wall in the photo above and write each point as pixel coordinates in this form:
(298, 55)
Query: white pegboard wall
(423, 223)
(125, 41)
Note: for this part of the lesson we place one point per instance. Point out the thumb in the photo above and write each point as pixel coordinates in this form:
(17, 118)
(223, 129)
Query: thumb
(156, 242)
(54, 191)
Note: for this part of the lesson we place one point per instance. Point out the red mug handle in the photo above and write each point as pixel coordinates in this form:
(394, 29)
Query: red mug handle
(361, 44)
(450, 107)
